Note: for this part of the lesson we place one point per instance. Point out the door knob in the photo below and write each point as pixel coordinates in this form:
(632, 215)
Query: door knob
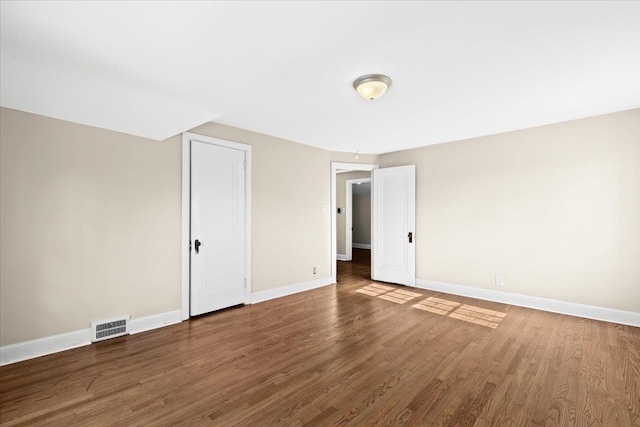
(197, 245)
(410, 236)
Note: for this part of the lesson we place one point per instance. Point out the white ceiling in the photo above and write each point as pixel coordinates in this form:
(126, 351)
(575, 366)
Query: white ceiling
(459, 69)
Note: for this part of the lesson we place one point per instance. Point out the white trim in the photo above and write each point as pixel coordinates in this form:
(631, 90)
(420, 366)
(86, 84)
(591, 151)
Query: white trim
(155, 321)
(186, 213)
(336, 168)
(185, 237)
(348, 219)
(569, 308)
(43, 346)
(341, 257)
(295, 288)
(361, 246)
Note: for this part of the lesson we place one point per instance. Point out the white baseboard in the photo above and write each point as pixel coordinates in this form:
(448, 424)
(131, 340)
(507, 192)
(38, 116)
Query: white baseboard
(341, 257)
(43, 346)
(155, 321)
(290, 289)
(361, 246)
(572, 309)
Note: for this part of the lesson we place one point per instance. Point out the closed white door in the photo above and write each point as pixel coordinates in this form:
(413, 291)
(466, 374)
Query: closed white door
(393, 202)
(217, 227)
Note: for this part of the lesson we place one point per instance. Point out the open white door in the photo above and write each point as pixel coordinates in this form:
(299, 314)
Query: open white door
(393, 199)
(217, 227)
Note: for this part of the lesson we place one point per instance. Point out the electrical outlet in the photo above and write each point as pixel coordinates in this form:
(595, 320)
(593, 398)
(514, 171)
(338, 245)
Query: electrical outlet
(499, 281)
(315, 270)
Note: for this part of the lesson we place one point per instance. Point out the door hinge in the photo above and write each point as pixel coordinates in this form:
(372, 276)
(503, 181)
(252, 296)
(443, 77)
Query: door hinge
(245, 283)
(245, 163)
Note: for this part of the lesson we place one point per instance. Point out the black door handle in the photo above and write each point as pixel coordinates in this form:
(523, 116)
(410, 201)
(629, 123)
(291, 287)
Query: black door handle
(197, 245)
(410, 236)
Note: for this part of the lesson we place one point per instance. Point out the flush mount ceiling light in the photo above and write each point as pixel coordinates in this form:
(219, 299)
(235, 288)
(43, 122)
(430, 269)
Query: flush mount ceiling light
(372, 86)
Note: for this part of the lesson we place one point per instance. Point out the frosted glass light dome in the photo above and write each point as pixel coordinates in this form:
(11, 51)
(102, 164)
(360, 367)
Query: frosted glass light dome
(372, 86)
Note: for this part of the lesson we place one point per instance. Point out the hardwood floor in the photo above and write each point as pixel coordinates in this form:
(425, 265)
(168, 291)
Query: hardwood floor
(359, 353)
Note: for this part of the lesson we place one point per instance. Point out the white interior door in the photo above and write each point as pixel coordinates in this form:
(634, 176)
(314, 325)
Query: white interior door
(217, 227)
(393, 195)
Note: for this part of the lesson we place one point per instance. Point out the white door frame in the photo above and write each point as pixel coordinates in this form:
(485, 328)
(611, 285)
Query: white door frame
(343, 167)
(186, 214)
(348, 231)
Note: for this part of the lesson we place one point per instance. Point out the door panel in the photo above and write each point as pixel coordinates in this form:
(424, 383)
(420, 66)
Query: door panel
(393, 200)
(217, 226)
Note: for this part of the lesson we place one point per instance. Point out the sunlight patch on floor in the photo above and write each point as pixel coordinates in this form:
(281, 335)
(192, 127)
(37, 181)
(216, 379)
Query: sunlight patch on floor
(437, 305)
(388, 293)
(374, 290)
(468, 313)
(444, 307)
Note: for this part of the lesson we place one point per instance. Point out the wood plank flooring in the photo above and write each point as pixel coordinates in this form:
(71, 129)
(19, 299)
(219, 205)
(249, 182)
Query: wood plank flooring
(360, 353)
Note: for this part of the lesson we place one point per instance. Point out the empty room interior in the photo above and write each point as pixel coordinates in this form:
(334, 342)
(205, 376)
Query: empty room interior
(320, 213)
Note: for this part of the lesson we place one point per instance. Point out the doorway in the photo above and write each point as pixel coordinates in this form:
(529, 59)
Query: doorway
(339, 169)
(393, 221)
(357, 215)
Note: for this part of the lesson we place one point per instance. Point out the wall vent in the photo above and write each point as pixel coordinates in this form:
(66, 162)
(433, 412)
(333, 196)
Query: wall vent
(112, 328)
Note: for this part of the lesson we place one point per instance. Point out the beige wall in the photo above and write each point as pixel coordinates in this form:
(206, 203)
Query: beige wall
(341, 203)
(554, 209)
(90, 226)
(90, 221)
(362, 218)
